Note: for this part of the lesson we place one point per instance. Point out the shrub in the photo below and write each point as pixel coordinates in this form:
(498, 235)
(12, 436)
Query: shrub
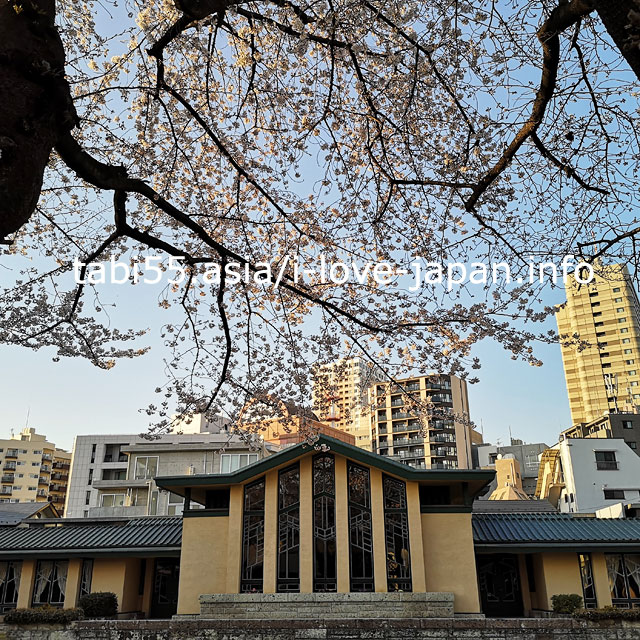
(42, 615)
(608, 613)
(102, 604)
(566, 602)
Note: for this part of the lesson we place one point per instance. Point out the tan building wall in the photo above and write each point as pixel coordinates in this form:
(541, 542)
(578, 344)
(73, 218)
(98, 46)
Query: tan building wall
(606, 314)
(441, 545)
(402, 430)
(33, 469)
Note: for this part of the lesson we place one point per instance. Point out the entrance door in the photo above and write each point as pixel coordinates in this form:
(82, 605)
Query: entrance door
(499, 582)
(164, 602)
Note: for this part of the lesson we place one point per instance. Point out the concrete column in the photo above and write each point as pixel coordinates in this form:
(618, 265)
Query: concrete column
(306, 524)
(342, 525)
(270, 532)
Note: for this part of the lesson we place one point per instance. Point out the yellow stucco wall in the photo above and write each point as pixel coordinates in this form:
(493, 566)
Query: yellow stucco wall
(26, 583)
(601, 579)
(73, 583)
(109, 574)
(449, 559)
(202, 568)
(560, 573)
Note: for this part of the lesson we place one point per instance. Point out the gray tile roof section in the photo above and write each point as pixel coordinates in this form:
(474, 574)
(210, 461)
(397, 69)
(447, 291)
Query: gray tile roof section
(513, 506)
(137, 535)
(12, 513)
(553, 530)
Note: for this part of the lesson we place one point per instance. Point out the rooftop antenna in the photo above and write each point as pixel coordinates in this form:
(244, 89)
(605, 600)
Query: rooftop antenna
(26, 422)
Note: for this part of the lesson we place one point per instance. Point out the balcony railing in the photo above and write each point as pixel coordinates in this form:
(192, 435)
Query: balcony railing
(60, 465)
(47, 456)
(606, 465)
(45, 468)
(9, 466)
(42, 493)
(11, 453)
(43, 480)
(7, 478)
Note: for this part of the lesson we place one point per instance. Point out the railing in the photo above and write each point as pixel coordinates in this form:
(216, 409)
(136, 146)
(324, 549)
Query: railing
(60, 465)
(11, 453)
(6, 491)
(42, 480)
(7, 478)
(45, 468)
(9, 466)
(397, 403)
(398, 415)
(47, 456)
(42, 493)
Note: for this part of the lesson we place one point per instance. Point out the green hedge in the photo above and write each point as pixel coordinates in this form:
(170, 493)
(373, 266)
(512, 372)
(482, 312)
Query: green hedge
(566, 602)
(608, 613)
(42, 615)
(101, 604)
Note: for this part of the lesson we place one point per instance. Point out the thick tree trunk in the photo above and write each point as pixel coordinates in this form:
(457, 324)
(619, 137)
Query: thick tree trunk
(621, 19)
(35, 108)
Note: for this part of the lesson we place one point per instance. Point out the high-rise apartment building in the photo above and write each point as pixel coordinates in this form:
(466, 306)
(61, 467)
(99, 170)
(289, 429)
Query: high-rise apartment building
(422, 421)
(339, 397)
(602, 378)
(33, 470)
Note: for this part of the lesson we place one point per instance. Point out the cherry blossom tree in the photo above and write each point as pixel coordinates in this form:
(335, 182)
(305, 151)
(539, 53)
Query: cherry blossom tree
(271, 137)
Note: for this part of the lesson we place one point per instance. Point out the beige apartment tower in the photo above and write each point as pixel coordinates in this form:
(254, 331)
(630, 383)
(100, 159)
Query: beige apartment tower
(602, 378)
(339, 397)
(33, 470)
(438, 438)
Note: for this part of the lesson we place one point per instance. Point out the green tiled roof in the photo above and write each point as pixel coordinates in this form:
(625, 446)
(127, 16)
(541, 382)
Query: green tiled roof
(553, 530)
(136, 535)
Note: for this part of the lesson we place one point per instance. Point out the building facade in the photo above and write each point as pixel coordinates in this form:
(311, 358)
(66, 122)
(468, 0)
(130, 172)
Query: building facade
(33, 469)
(582, 475)
(604, 377)
(114, 475)
(339, 397)
(624, 426)
(527, 455)
(402, 427)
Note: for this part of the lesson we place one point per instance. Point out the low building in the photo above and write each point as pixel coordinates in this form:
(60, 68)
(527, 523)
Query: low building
(344, 530)
(586, 474)
(33, 469)
(625, 426)
(527, 454)
(508, 481)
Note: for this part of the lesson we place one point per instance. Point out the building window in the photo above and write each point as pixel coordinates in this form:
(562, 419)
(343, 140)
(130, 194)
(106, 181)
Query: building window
(626, 340)
(613, 494)
(360, 529)
(396, 533)
(289, 530)
(624, 579)
(630, 361)
(627, 424)
(9, 584)
(324, 524)
(628, 352)
(606, 461)
(50, 582)
(85, 577)
(233, 461)
(597, 314)
(632, 372)
(616, 290)
(112, 500)
(588, 586)
(90, 479)
(617, 299)
(633, 445)
(253, 538)
(146, 467)
(625, 330)
(620, 310)
(93, 453)
(87, 498)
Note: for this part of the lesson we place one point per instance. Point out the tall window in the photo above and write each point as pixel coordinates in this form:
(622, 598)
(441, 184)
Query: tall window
(289, 530)
(324, 524)
(624, 579)
(50, 583)
(360, 530)
(606, 461)
(85, 577)
(9, 584)
(396, 532)
(588, 586)
(146, 467)
(253, 538)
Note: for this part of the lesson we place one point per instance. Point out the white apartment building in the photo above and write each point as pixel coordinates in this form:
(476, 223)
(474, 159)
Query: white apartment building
(113, 475)
(582, 475)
